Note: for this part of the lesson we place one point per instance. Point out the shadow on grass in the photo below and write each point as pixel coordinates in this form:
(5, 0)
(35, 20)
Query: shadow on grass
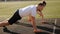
(57, 31)
(5, 29)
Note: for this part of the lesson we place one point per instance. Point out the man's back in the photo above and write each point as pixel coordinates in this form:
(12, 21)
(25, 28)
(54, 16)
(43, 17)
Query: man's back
(27, 11)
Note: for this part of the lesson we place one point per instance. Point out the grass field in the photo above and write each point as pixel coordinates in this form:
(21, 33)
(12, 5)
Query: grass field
(52, 10)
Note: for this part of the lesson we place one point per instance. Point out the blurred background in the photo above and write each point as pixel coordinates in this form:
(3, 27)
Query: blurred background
(8, 7)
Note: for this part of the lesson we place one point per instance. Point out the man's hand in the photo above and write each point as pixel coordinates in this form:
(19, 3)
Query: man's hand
(42, 20)
(38, 30)
(32, 20)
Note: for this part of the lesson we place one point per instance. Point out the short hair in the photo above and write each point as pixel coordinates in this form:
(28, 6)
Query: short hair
(42, 4)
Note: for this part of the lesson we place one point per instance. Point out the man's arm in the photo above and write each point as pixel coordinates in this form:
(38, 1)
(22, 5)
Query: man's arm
(29, 18)
(41, 14)
(32, 20)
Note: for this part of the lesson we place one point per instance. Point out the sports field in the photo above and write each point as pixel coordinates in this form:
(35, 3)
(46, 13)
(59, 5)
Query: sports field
(51, 12)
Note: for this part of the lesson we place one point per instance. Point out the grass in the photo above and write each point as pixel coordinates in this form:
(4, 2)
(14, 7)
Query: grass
(52, 10)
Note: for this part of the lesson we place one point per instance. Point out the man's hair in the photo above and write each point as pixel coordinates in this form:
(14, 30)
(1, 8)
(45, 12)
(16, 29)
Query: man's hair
(42, 4)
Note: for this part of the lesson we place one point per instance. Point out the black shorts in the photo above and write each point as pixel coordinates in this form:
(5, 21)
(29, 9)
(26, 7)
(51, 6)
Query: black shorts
(14, 18)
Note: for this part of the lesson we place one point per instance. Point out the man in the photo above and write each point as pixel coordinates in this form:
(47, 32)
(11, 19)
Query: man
(30, 11)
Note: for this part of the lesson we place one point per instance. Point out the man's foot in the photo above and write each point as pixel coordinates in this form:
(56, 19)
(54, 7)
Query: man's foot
(5, 29)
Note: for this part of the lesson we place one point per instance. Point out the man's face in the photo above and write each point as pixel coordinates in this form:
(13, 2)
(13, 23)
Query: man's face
(40, 8)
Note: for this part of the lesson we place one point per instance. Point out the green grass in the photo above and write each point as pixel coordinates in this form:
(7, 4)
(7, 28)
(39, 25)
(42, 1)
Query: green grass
(52, 10)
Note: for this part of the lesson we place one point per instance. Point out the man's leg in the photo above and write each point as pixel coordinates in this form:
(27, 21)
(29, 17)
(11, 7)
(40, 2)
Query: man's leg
(12, 20)
(4, 23)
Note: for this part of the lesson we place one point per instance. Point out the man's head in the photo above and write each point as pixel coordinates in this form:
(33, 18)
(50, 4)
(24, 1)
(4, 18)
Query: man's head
(41, 6)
